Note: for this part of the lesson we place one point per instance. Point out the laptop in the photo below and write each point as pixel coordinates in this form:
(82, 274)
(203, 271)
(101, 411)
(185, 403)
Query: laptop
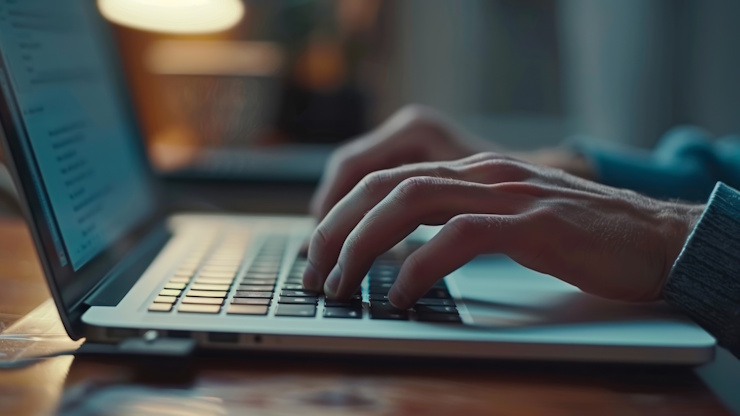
(119, 265)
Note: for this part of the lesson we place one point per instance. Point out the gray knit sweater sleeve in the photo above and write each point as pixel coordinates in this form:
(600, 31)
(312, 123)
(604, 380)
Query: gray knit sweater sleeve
(705, 279)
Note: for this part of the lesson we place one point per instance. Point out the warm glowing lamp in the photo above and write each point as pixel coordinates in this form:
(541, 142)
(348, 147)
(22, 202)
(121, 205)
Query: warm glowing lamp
(174, 16)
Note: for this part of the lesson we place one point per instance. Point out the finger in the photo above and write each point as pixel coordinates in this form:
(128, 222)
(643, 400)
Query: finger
(358, 159)
(419, 200)
(330, 235)
(412, 135)
(459, 241)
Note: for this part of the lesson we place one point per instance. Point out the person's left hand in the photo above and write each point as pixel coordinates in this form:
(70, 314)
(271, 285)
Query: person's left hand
(609, 242)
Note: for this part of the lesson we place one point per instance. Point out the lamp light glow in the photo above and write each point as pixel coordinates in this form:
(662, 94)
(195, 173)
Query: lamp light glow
(174, 16)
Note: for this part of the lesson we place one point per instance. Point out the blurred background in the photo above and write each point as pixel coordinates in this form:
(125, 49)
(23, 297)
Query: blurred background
(525, 73)
(243, 87)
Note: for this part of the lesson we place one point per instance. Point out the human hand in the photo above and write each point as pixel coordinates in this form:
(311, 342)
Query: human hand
(413, 134)
(419, 134)
(608, 242)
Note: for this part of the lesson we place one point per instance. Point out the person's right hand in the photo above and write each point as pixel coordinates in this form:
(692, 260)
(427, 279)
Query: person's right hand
(608, 242)
(412, 135)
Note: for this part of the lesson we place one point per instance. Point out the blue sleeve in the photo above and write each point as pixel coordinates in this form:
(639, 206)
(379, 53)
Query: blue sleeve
(685, 164)
(705, 279)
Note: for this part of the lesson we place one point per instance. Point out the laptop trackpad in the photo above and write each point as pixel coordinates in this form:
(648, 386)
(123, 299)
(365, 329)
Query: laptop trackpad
(497, 292)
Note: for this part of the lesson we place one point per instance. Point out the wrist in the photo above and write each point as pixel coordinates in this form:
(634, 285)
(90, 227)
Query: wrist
(677, 221)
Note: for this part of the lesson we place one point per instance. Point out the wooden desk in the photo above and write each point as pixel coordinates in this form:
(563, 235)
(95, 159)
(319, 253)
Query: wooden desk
(326, 386)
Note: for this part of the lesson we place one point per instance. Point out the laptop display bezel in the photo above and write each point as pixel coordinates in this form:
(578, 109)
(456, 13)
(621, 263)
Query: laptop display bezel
(70, 297)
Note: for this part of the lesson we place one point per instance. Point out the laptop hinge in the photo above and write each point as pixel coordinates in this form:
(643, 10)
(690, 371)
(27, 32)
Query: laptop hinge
(116, 283)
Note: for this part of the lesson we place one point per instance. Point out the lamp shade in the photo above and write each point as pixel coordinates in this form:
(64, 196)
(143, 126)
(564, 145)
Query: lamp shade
(174, 16)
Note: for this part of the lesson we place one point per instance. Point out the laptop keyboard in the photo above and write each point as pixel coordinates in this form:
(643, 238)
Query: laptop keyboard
(212, 281)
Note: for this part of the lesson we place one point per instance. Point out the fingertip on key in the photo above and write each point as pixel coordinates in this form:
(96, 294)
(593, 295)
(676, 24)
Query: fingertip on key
(332, 282)
(311, 279)
(398, 298)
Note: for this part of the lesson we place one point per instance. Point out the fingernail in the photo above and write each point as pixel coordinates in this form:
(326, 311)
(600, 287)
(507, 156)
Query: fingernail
(332, 282)
(398, 298)
(311, 279)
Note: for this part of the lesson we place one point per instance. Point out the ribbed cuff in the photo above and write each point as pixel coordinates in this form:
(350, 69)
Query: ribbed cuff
(705, 279)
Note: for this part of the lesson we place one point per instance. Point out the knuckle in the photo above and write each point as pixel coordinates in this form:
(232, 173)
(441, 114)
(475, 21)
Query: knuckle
(376, 182)
(412, 188)
(446, 171)
(546, 216)
(490, 156)
(522, 188)
(414, 113)
(547, 213)
(464, 225)
(503, 168)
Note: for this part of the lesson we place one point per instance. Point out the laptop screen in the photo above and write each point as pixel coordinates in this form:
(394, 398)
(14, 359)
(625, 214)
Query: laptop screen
(82, 150)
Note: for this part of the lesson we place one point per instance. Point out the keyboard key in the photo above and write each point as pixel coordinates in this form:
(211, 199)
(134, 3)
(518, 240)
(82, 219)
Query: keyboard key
(202, 301)
(384, 310)
(185, 271)
(204, 286)
(218, 275)
(252, 275)
(382, 280)
(292, 286)
(160, 307)
(380, 285)
(250, 301)
(383, 272)
(250, 294)
(207, 293)
(176, 286)
(379, 290)
(170, 292)
(179, 279)
(435, 302)
(348, 313)
(437, 294)
(298, 301)
(194, 308)
(264, 270)
(377, 297)
(212, 281)
(220, 268)
(422, 309)
(266, 262)
(236, 309)
(257, 288)
(439, 317)
(249, 281)
(165, 299)
(343, 303)
(304, 311)
(298, 293)
(223, 262)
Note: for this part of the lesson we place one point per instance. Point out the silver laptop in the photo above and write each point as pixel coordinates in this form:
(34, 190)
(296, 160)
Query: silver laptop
(119, 266)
